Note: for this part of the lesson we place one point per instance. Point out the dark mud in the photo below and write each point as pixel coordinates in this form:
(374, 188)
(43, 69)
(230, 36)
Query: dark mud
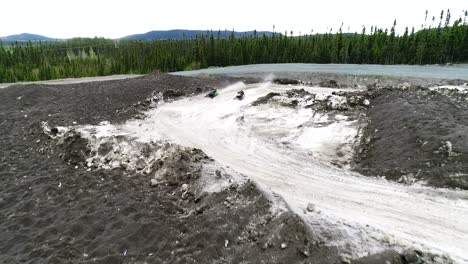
(417, 134)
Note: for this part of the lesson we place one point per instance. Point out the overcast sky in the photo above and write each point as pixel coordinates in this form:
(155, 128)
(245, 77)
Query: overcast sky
(118, 18)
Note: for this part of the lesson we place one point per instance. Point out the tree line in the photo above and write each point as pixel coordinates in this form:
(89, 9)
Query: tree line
(445, 43)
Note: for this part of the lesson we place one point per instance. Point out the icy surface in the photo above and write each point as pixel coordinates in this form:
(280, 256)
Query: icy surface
(288, 151)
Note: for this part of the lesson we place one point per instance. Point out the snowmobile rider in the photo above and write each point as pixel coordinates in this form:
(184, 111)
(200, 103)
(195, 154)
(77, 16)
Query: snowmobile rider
(240, 95)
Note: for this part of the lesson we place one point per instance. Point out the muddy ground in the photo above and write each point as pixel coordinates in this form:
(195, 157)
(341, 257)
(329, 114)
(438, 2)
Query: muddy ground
(53, 210)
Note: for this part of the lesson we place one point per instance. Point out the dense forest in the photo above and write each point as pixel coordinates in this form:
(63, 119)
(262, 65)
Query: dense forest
(31, 61)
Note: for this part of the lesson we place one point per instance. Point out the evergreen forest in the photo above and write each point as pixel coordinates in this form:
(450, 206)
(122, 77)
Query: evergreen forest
(444, 43)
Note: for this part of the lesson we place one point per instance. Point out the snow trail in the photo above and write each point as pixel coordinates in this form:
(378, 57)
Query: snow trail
(265, 144)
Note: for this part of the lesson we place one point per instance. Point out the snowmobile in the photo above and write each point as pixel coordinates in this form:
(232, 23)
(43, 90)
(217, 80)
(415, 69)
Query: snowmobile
(212, 94)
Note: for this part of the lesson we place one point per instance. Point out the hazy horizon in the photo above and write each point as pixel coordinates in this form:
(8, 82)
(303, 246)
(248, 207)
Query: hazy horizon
(116, 19)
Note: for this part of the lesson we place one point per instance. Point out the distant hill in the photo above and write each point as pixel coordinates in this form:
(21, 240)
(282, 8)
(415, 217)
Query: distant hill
(188, 34)
(149, 36)
(27, 37)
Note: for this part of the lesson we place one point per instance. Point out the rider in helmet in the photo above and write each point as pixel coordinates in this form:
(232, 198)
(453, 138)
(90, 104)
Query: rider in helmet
(240, 95)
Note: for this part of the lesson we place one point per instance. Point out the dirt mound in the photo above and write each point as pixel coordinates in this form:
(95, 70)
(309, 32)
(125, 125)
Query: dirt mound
(417, 134)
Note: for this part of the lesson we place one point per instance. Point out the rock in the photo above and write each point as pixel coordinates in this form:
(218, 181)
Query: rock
(54, 131)
(346, 259)
(411, 257)
(305, 252)
(329, 84)
(140, 164)
(234, 185)
(184, 187)
(310, 207)
(286, 81)
(284, 245)
(154, 182)
(366, 102)
(388, 256)
(407, 179)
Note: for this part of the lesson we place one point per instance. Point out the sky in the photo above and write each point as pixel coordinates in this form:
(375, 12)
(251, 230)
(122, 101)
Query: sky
(118, 18)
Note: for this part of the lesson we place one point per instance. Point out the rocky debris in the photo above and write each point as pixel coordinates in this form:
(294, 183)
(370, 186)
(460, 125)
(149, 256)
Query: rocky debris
(338, 101)
(329, 84)
(311, 207)
(407, 257)
(457, 82)
(154, 182)
(389, 256)
(140, 164)
(184, 187)
(446, 150)
(286, 81)
(69, 144)
(265, 99)
(173, 93)
(458, 95)
(407, 179)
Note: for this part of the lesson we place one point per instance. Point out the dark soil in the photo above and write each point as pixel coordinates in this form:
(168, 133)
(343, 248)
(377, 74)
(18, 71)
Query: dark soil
(417, 134)
(54, 211)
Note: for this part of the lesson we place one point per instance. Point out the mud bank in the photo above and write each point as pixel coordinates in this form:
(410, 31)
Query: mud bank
(417, 134)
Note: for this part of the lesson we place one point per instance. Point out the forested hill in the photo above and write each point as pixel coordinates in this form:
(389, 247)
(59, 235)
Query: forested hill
(92, 57)
(179, 34)
(176, 34)
(26, 37)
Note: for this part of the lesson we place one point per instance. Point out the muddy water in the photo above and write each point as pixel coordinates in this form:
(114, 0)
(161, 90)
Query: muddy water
(360, 215)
